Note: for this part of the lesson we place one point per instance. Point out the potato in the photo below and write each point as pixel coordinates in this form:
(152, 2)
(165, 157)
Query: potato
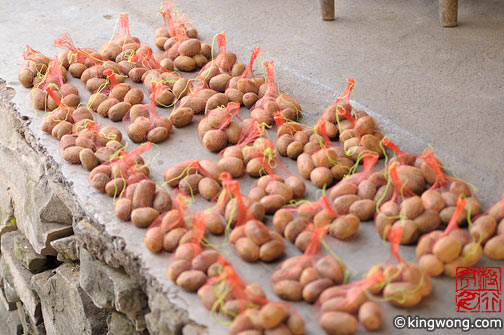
(143, 217)
(232, 165)
(154, 239)
(471, 253)
(427, 221)
(203, 261)
(277, 187)
(363, 209)
(370, 315)
(402, 294)
(290, 290)
(172, 238)
(338, 323)
(344, 226)
(294, 228)
(115, 187)
(281, 218)
(272, 314)
(447, 249)
(189, 184)
(431, 265)
(122, 209)
(177, 267)
(308, 275)
(272, 203)
(411, 207)
(460, 188)
(297, 186)
(257, 232)
(321, 177)
(494, 248)
(312, 290)
(247, 250)
(329, 267)
(191, 280)
(342, 188)
(343, 203)
(305, 165)
(144, 194)
(240, 324)
(72, 154)
(447, 213)
(483, 228)
(182, 117)
(296, 324)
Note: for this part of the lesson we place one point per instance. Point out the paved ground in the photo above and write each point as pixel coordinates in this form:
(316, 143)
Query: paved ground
(425, 85)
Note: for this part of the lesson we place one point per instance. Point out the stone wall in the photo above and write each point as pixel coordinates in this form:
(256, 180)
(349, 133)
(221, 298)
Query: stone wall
(59, 272)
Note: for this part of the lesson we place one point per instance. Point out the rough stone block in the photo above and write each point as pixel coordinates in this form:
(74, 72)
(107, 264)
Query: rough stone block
(119, 323)
(66, 248)
(10, 293)
(9, 306)
(164, 318)
(110, 288)
(19, 278)
(9, 322)
(66, 308)
(26, 255)
(29, 328)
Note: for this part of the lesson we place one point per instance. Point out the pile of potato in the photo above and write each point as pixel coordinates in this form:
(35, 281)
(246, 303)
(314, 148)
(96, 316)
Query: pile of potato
(403, 285)
(304, 278)
(274, 192)
(173, 230)
(271, 318)
(255, 241)
(218, 129)
(358, 196)
(442, 252)
(343, 309)
(35, 67)
(196, 177)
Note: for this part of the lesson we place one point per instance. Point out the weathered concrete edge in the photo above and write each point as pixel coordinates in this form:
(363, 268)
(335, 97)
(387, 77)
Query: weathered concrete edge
(90, 234)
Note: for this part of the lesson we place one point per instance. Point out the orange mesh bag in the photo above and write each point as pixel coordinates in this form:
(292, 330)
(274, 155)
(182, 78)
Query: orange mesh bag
(240, 85)
(441, 252)
(444, 190)
(306, 277)
(34, 68)
(219, 128)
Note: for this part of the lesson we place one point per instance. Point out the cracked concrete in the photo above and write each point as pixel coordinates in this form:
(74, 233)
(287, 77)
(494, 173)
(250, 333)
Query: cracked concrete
(424, 84)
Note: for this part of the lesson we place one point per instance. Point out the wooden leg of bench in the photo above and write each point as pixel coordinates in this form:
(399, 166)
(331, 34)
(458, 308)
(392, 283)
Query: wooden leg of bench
(327, 9)
(448, 10)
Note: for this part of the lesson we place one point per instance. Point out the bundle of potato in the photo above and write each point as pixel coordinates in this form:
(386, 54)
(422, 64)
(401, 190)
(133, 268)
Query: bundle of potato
(442, 252)
(192, 266)
(494, 247)
(35, 67)
(362, 137)
(274, 192)
(270, 318)
(272, 101)
(343, 307)
(255, 241)
(304, 278)
(399, 206)
(218, 129)
(195, 177)
(89, 144)
(169, 28)
(52, 91)
(122, 42)
(241, 86)
(444, 191)
(173, 229)
(403, 285)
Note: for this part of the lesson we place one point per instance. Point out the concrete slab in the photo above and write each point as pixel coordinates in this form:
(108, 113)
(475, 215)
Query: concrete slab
(400, 64)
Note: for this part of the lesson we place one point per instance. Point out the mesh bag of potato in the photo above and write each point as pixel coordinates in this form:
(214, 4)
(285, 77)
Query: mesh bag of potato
(306, 277)
(219, 128)
(34, 68)
(441, 252)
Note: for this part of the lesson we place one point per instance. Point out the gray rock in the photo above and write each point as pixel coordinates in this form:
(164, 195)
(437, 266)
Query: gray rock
(119, 324)
(26, 255)
(164, 318)
(110, 288)
(29, 328)
(9, 322)
(19, 278)
(7, 305)
(10, 293)
(66, 248)
(66, 308)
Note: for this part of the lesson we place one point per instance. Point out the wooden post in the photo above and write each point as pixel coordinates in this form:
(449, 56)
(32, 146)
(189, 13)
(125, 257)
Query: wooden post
(448, 10)
(327, 9)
